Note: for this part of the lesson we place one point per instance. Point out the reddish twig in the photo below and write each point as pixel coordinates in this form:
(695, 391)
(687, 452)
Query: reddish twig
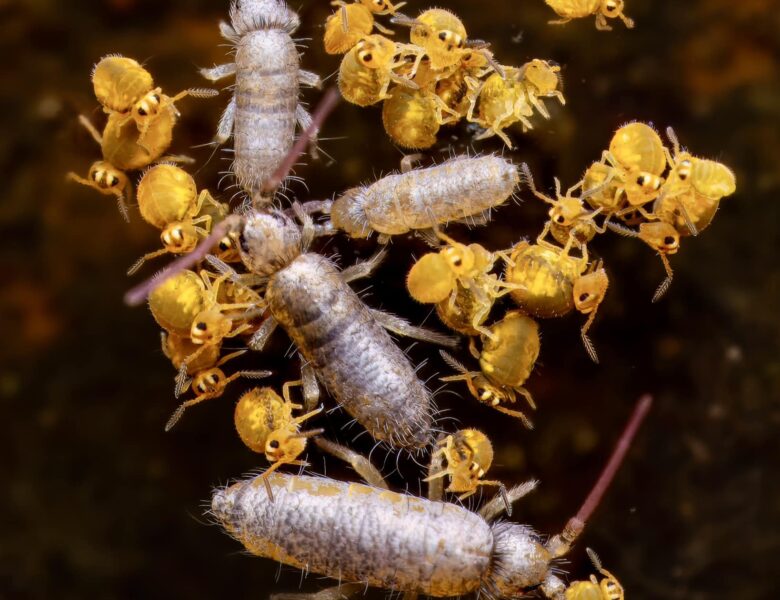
(576, 524)
(326, 104)
(139, 293)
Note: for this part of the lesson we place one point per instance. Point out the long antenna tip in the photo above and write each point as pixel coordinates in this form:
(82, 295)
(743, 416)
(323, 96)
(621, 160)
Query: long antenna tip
(643, 406)
(575, 525)
(641, 409)
(134, 297)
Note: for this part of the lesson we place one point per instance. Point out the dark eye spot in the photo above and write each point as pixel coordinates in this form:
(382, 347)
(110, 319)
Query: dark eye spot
(443, 36)
(223, 246)
(201, 326)
(669, 240)
(640, 180)
(584, 297)
(156, 97)
(559, 219)
(113, 180)
(142, 112)
(683, 176)
(367, 57)
(457, 262)
(274, 444)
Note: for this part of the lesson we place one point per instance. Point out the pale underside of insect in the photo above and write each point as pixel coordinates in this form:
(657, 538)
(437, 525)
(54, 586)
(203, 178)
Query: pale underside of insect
(364, 534)
(570, 224)
(420, 199)
(602, 9)
(691, 195)
(466, 309)
(507, 358)
(265, 107)
(707, 177)
(458, 281)
(502, 100)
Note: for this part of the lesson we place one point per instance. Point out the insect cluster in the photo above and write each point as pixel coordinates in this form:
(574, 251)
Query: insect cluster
(439, 78)
(139, 129)
(242, 274)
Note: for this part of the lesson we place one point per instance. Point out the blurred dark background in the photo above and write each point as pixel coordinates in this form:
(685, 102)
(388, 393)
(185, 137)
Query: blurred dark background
(98, 502)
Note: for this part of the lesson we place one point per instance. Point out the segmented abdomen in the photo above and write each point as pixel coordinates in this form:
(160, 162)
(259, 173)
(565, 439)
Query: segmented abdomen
(355, 358)
(266, 98)
(456, 189)
(357, 533)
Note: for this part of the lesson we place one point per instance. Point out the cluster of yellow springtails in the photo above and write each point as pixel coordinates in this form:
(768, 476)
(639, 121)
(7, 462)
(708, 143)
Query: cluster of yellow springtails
(638, 187)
